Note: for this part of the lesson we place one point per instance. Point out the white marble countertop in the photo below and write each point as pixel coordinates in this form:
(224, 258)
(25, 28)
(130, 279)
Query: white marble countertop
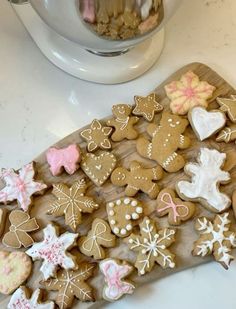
(40, 104)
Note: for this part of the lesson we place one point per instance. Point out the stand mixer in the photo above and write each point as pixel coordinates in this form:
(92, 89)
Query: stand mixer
(104, 41)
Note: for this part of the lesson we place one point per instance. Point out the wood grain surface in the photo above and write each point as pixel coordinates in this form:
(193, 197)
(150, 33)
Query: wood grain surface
(125, 152)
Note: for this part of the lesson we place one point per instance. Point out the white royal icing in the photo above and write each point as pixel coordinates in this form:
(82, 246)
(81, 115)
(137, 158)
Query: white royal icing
(206, 175)
(206, 123)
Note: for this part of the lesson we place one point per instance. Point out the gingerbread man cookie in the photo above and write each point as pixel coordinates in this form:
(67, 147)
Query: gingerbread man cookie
(98, 237)
(138, 178)
(20, 186)
(152, 246)
(215, 238)
(206, 177)
(228, 106)
(21, 225)
(67, 158)
(175, 208)
(166, 139)
(71, 284)
(115, 272)
(123, 123)
(188, 92)
(147, 106)
(71, 202)
(21, 300)
(53, 250)
(121, 214)
(97, 136)
(15, 268)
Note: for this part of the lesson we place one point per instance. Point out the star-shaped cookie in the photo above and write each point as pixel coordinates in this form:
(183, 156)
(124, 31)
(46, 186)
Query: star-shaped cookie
(147, 106)
(53, 251)
(71, 284)
(71, 202)
(20, 186)
(228, 105)
(97, 136)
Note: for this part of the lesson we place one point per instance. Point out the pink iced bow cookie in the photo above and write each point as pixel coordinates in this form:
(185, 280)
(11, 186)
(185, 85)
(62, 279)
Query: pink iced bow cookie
(114, 271)
(20, 186)
(188, 92)
(67, 158)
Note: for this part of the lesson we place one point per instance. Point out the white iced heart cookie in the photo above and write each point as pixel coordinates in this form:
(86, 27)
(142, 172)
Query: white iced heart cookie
(15, 268)
(205, 123)
(206, 175)
(121, 214)
(98, 168)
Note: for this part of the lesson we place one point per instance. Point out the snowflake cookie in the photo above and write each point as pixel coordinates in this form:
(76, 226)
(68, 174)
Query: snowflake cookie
(152, 246)
(147, 106)
(21, 300)
(71, 202)
(121, 214)
(188, 92)
(97, 136)
(216, 238)
(20, 186)
(123, 123)
(137, 179)
(65, 158)
(206, 177)
(71, 284)
(115, 272)
(53, 251)
(99, 236)
(21, 225)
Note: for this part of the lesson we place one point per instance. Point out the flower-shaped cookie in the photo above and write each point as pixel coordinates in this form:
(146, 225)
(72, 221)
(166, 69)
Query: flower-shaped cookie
(97, 136)
(20, 186)
(71, 202)
(152, 246)
(53, 251)
(21, 225)
(188, 92)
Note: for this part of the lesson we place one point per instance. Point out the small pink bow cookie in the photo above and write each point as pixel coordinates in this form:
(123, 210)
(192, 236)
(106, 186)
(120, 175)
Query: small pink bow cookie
(67, 158)
(114, 271)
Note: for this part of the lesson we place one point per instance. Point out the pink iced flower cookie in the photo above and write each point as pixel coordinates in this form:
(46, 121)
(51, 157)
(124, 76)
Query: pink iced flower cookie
(67, 158)
(188, 92)
(20, 186)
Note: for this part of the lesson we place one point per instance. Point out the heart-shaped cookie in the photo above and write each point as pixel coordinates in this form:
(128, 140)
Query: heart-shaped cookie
(15, 268)
(98, 168)
(204, 123)
(121, 214)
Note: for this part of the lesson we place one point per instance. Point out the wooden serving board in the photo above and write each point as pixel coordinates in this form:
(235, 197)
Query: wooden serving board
(125, 152)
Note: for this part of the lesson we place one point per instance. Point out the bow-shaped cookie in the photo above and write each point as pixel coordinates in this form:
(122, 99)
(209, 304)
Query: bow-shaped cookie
(67, 158)
(114, 271)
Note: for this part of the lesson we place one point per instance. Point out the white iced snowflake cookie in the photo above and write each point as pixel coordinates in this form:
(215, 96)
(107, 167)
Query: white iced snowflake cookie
(114, 272)
(20, 186)
(53, 251)
(215, 238)
(206, 177)
(21, 300)
(151, 246)
(204, 123)
(121, 214)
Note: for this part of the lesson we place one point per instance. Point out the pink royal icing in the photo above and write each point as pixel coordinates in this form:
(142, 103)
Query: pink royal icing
(68, 158)
(88, 10)
(20, 186)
